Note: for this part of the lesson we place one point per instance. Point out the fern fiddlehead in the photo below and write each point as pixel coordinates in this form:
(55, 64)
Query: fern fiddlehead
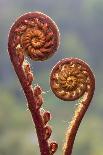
(72, 79)
(36, 36)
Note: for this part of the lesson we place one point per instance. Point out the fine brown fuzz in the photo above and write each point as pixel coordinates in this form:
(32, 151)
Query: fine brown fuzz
(36, 35)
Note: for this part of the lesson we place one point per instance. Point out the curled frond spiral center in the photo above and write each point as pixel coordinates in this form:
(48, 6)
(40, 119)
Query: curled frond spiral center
(36, 35)
(69, 79)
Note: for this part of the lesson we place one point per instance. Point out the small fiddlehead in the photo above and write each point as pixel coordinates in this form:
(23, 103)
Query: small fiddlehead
(72, 79)
(36, 36)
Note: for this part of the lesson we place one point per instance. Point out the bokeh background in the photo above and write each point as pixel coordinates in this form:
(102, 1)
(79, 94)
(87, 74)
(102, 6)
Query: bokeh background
(81, 26)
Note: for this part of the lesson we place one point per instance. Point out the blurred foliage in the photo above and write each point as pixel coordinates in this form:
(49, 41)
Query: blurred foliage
(81, 26)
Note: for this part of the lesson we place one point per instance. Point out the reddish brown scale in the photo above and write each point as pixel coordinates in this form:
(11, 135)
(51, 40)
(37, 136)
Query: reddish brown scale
(47, 132)
(34, 32)
(28, 73)
(53, 147)
(27, 68)
(39, 101)
(46, 117)
(30, 78)
(37, 91)
(20, 56)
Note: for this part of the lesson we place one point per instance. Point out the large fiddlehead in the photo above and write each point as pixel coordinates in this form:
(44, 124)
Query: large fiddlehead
(36, 36)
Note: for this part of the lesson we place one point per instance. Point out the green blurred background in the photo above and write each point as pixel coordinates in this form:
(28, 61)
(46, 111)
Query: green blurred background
(81, 27)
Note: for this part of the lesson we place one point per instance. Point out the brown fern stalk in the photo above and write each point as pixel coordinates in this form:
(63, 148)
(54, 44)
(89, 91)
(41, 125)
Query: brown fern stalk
(36, 36)
(72, 79)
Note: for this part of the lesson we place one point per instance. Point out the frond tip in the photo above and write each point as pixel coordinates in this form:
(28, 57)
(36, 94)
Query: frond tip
(36, 35)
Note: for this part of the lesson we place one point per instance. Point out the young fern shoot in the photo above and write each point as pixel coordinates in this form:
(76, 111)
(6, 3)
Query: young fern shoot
(36, 36)
(72, 79)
